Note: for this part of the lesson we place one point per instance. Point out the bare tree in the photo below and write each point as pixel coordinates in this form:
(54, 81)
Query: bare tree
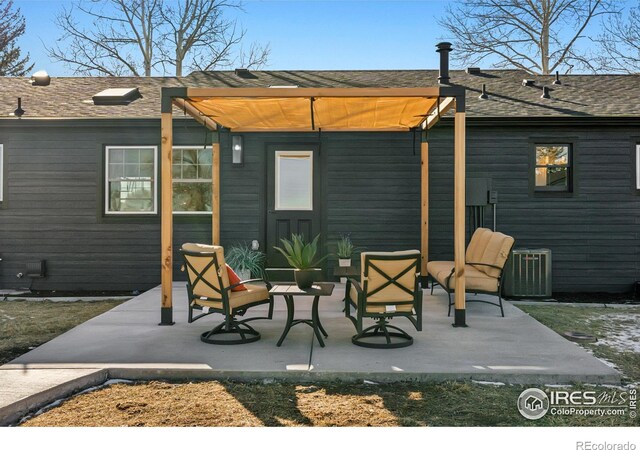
(538, 36)
(144, 37)
(12, 26)
(201, 36)
(620, 43)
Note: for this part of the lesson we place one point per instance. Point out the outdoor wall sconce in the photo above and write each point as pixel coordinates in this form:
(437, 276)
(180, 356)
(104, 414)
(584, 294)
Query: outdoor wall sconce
(237, 156)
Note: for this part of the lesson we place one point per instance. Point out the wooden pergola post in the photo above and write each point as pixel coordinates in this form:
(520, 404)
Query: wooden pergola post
(424, 195)
(166, 214)
(459, 212)
(215, 191)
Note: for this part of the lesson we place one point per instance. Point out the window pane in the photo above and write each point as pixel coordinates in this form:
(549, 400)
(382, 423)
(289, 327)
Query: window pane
(177, 156)
(177, 171)
(146, 156)
(116, 156)
(552, 155)
(204, 156)
(130, 176)
(146, 170)
(294, 180)
(189, 171)
(191, 196)
(131, 170)
(132, 196)
(551, 176)
(204, 172)
(116, 171)
(132, 156)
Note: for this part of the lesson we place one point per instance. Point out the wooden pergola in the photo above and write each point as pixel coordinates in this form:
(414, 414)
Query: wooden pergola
(310, 110)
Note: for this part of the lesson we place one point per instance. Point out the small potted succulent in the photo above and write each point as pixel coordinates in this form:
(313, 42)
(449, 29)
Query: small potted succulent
(245, 261)
(301, 256)
(345, 252)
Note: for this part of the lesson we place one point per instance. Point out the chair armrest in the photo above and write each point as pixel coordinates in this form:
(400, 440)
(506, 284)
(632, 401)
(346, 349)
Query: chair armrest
(355, 284)
(483, 264)
(254, 280)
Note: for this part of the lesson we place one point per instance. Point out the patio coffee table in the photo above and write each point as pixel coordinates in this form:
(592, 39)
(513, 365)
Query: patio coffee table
(290, 290)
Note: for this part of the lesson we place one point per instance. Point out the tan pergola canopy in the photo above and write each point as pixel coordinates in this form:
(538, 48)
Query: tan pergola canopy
(291, 109)
(309, 109)
(325, 113)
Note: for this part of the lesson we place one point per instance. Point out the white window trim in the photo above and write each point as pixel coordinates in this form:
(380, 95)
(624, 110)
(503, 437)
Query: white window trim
(277, 177)
(155, 181)
(191, 213)
(1, 173)
(637, 166)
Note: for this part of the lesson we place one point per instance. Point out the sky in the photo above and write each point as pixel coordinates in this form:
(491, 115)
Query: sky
(303, 35)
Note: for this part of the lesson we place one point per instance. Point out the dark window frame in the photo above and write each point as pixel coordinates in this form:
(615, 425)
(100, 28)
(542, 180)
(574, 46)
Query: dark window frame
(568, 189)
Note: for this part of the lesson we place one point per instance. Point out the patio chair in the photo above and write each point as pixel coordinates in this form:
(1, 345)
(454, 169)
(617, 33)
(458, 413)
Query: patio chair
(388, 288)
(210, 291)
(485, 259)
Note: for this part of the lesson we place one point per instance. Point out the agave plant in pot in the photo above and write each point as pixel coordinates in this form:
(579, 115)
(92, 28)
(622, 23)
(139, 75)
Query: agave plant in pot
(345, 252)
(302, 257)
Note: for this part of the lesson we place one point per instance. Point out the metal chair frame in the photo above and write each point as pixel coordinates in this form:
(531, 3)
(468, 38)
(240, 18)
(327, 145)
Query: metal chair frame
(397, 337)
(230, 325)
(498, 293)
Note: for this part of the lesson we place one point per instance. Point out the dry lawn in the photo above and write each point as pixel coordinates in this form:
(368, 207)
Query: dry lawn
(231, 404)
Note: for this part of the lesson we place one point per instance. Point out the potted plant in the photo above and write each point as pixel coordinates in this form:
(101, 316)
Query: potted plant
(245, 261)
(301, 256)
(345, 252)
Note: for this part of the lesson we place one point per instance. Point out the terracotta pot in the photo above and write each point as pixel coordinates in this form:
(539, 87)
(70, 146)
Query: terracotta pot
(304, 278)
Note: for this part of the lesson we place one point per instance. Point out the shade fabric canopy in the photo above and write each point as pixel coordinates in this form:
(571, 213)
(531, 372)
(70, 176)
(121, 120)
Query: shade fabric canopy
(290, 113)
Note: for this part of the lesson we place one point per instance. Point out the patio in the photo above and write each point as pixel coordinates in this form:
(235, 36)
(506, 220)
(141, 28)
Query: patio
(513, 349)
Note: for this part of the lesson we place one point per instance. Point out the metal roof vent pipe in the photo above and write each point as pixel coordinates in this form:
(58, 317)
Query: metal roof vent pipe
(19, 112)
(557, 80)
(545, 92)
(40, 78)
(444, 48)
(484, 95)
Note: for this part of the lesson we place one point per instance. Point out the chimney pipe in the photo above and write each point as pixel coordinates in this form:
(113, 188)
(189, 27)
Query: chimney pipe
(444, 48)
(19, 112)
(545, 92)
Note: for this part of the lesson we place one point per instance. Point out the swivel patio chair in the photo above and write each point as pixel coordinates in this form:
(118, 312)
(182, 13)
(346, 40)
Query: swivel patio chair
(210, 291)
(388, 288)
(485, 259)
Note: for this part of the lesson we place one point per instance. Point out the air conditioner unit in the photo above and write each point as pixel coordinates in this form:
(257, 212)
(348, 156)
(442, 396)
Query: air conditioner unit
(528, 274)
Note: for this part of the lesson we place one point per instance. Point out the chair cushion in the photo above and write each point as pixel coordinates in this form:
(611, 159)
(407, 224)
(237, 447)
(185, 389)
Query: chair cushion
(477, 245)
(474, 279)
(495, 253)
(391, 268)
(253, 293)
(233, 279)
(200, 262)
(373, 308)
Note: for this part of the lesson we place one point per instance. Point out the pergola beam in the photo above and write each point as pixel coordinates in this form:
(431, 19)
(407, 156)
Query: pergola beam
(188, 108)
(194, 93)
(439, 110)
(166, 217)
(459, 206)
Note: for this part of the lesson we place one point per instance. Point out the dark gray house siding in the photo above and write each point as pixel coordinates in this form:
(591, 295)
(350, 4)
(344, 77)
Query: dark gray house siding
(54, 178)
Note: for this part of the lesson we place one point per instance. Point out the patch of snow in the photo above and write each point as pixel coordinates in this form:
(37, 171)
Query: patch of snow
(622, 332)
(488, 383)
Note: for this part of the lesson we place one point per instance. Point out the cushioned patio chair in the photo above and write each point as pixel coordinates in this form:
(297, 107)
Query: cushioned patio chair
(485, 259)
(210, 291)
(388, 288)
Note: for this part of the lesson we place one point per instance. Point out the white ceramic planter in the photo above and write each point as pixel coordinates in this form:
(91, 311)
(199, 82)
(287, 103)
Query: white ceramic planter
(244, 274)
(344, 262)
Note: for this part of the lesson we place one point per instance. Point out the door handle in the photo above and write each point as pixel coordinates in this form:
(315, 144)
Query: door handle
(271, 211)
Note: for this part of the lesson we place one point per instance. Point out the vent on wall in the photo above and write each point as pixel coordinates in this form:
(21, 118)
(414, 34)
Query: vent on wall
(116, 96)
(36, 269)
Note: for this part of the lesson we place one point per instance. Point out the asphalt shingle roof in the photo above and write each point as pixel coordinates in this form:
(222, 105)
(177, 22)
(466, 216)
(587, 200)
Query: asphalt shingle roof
(577, 96)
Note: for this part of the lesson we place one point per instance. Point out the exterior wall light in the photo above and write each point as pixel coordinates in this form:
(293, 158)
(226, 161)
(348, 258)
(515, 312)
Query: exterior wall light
(237, 151)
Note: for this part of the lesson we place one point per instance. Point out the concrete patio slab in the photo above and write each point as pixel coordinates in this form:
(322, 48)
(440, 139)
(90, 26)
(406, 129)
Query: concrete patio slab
(127, 342)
